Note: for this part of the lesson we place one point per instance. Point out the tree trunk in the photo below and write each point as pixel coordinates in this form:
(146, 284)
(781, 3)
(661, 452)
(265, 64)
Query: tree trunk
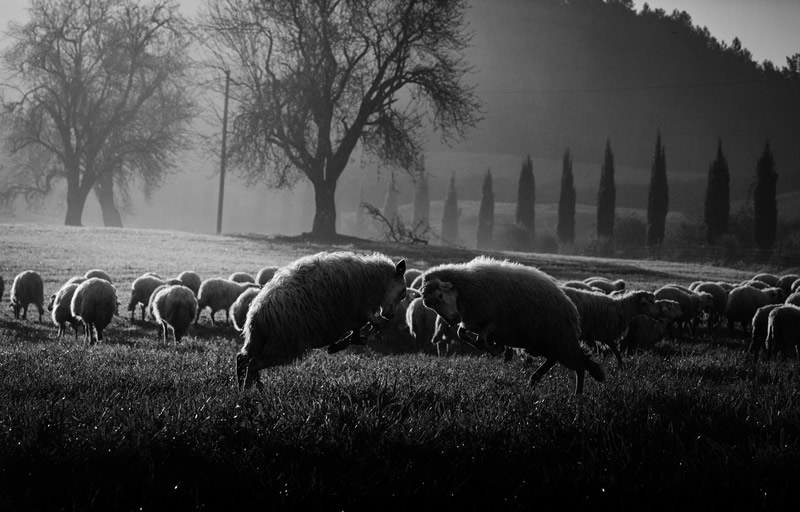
(105, 195)
(324, 226)
(76, 200)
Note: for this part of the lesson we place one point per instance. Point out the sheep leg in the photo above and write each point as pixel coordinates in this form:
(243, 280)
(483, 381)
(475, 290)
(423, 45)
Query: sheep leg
(25, 312)
(481, 341)
(579, 377)
(41, 312)
(164, 332)
(541, 371)
(615, 350)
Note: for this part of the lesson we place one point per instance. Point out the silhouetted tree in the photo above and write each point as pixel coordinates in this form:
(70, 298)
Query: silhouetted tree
(606, 196)
(450, 214)
(390, 201)
(716, 208)
(526, 198)
(657, 197)
(360, 226)
(422, 201)
(316, 77)
(566, 203)
(486, 214)
(765, 206)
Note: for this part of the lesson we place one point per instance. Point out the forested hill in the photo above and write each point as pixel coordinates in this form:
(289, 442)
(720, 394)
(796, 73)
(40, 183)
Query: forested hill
(572, 73)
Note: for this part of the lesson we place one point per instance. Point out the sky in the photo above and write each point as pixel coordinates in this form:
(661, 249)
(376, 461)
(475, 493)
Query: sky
(768, 28)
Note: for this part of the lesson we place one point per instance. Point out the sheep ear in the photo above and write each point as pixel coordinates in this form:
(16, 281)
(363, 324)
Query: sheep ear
(400, 268)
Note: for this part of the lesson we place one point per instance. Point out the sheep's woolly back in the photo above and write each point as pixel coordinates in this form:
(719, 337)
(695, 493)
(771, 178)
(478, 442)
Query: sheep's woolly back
(265, 274)
(61, 304)
(770, 279)
(605, 318)
(312, 302)
(27, 288)
(719, 294)
(96, 272)
(528, 309)
(785, 282)
(95, 302)
(241, 277)
(191, 280)
(177, 306)
(743, 301)
(142, 289)
(220, 294)
(240, 307)
(758, 333)
(783, 329)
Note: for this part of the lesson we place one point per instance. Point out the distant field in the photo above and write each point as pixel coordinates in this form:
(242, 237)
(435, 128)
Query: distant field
(129, 424)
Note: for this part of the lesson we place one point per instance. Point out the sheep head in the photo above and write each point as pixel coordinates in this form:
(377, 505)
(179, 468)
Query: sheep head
(442, 297)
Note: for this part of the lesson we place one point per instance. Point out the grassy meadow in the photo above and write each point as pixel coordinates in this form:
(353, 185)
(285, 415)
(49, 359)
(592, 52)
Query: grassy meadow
(130, 424)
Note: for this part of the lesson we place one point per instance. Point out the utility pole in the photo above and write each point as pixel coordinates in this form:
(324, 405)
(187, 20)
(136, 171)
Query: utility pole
(224, 152)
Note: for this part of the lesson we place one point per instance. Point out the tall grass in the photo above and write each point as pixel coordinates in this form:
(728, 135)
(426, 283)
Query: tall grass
(130, 424)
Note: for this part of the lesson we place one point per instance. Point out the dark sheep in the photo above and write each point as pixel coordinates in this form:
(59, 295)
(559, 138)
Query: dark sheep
(27, 289)
(175, 308)
(410, 275)
(94, 304)
(242, 277)
(511, 305)
(786, 281)
(771, 280)
(265, 274)
(758, 330)
(61, 313)
(783, 331)
(191, 280)
(312, 303)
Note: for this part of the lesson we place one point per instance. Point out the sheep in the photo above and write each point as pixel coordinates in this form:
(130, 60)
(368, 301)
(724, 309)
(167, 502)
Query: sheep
(412, 274)
(265, 274)
(643, 333)
(312, 302)
(242, 277)
(513, 305)
(604, 318)
(191, 280)
(726, 286)
(27, 289)
(417, 283)
(771, 280)
(785, 282)
(175, 307)
(219, 294)
(793, 299)
(577, 285)
(783, 331)
(606, 285)
(760, 285)
(141, 290)
(59, 308)
(75, 280)
(669, 310)
(691, 304)
(424, 326)
(758, 330)
(2, 288)
(96, 272)
(238, 312)
(719, 301)
(94, 303)
(743, 301)
(167, 284)
(795, 286)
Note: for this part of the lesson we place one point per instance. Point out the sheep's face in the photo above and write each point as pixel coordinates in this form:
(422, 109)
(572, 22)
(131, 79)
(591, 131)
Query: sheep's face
(441, 297)
(669, 309)
(647, 305)
(52, 302)
(395, 293)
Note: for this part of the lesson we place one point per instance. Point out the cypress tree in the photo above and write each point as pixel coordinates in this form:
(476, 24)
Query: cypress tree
(526, 198)
(716, 208)
(566, 203)
(360, 211)
(390, 202)
(486, 214)
(657, 197)
(422, 202)
(765, 205)
(450, 214)
(606, 196)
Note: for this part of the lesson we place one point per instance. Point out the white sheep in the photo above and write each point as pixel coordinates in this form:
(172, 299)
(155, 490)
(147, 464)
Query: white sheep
(219, 295)
(60, 311)
(27, 289)
(577, 285)
(719, 302)
(744, 301)
(783, 331)
(238, 312)
(142, 289)
(175, 308)
(191, 280)
(758, 330)
(691, 303)
(96, 272)
(605, 318)
(242, 277)
(265, 275)
(606, 285)
(94, 304)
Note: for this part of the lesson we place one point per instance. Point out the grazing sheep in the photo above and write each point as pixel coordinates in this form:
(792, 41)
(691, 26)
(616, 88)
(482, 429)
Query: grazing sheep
(760, 285)
(154, 274)
(265, 274)
(428, 328)
(417, 283)
(27, 289)
(577, 285)
(758, 330)
(512, 305)
(94, 303)
(96, 272)
(786, 281)
(242, 277)
(604, 318)
(691, 304)
(795, 286)
(643, 333)
(411, 274)
(175, 307)
(606, 285)
(312, 302)
(726, 286)
(669, 310)
(771, 280)
(191, 280)
(783, 331)
(60, 311)
(219, 295)
(743, 301)
(75, 280)
(793, 299)
(238, 312)
(141, 290)
(719, 301)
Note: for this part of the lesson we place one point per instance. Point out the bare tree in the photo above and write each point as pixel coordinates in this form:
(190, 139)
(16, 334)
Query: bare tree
(98, 87)
(315, 77)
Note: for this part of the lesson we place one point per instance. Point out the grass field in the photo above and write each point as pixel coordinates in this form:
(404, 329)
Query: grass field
(132, 425)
